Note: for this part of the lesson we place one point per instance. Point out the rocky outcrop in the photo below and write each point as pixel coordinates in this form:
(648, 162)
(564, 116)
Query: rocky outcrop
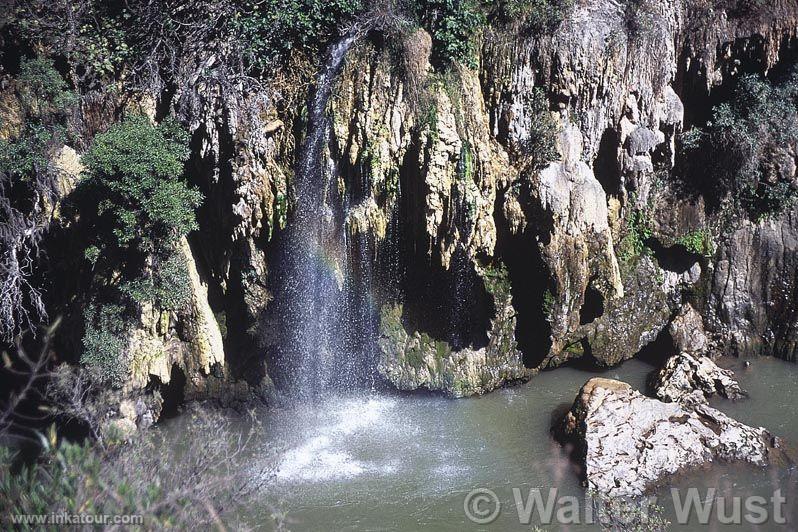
(438, 161)
(687, 332)
(413, 359)
(752, 301)
(156, 346)
(188, 341)
(628, 443)
(686, 378)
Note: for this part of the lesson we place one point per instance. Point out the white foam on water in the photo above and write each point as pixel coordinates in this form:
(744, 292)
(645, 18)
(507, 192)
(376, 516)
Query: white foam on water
(325, 453)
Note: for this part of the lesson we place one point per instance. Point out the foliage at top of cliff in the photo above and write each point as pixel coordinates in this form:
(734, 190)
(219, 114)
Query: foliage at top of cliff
(273, 29)
(152, 44)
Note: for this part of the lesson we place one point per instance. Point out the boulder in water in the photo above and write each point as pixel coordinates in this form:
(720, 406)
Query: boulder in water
(689, 378)
(629, 443)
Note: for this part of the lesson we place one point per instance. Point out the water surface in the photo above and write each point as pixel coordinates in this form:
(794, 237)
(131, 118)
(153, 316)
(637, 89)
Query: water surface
(386, 461)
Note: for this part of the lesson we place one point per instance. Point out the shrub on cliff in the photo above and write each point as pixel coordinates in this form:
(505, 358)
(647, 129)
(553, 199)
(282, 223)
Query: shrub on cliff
(140, 205)
(136, 206)
(135, 174)
(534, 15)
(454, 25)
(745, 156)
(273, 29)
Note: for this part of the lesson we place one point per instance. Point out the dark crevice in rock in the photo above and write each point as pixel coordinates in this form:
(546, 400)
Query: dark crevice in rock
(675, 258)
(450, 305)
(530, 280)
(606, 167)
(593, 307)
(214, 178)
(749, 57)
(173, 392)
(581, 357)
(659, 350)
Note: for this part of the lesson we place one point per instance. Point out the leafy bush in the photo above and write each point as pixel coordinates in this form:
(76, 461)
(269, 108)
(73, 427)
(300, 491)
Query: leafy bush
(638, 231)
(540, 144)
(454, 25)
(135, 171)
(698, 242)
(167, 288)
(43, 92)
(104, 343)
(273, 29)
(640, 17)
(746, 151)
(139, 207)
(94, 42)
(535, 15)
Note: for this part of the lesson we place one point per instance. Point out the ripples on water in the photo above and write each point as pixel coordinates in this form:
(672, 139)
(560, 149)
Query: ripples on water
(405, 462)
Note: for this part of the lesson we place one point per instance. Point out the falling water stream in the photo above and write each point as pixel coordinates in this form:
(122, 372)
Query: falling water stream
(323, 310)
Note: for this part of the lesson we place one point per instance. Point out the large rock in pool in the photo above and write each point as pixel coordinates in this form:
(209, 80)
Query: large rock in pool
(629, 442)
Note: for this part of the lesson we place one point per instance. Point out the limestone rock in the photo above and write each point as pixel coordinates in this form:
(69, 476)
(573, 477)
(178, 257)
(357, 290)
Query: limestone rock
(684, 374)
(69, 167)
(413, 359)
(202, 329)
(629, 443)
(752, 300)
(687, 332)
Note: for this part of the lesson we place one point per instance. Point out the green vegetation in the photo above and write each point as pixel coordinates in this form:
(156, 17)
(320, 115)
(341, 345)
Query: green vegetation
(640, 17)
(273, 29)
(145, 477)
(698, 242)
(95, 39)
(104, 343)
(540, 146)
(136, 207)
(43, 92)
(549, 302)
(140, 207)
(455, 26)
(135, 172)
(742, 157)
(638, 231)
(534, 15)
(497, 281)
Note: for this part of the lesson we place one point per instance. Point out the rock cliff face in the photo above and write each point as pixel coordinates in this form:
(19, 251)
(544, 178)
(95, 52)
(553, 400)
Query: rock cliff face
(754, 289)
(485, 250)
(436, 188)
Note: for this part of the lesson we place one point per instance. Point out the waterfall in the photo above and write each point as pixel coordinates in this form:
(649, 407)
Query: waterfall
(325, 280)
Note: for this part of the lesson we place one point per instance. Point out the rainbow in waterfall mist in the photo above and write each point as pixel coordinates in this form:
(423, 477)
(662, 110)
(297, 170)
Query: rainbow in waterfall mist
(328, 320)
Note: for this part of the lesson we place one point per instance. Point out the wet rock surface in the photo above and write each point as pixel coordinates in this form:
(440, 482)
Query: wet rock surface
(689, 378)
(413, 359)
(628, 443)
